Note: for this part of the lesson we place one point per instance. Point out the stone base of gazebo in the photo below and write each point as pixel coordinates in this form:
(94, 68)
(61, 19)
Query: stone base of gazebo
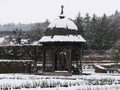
(57, 73)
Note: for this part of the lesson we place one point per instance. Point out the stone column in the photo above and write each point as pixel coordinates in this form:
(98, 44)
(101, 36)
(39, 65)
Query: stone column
(43, 60)
(69, 59)
(81, 57)
(53, 60)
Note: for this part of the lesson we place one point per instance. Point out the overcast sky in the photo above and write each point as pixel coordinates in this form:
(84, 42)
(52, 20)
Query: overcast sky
(30, 11)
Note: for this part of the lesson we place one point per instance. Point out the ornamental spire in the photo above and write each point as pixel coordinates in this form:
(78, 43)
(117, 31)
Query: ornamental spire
(61, 14)
(62, 9)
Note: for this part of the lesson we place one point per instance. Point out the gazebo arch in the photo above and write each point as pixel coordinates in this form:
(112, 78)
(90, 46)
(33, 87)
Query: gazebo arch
(76, 55)
(61, 59)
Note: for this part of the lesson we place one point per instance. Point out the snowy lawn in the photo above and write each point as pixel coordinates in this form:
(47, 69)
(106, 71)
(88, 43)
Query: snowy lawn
(75, 82)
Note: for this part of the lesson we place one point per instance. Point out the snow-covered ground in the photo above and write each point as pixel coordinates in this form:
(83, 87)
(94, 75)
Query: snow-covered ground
(75, 82)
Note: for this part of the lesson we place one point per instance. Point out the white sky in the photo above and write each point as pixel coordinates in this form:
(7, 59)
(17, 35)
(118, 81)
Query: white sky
(30, 11)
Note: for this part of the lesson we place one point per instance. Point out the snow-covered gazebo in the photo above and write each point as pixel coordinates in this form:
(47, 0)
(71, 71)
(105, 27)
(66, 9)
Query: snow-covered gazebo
(62, 46)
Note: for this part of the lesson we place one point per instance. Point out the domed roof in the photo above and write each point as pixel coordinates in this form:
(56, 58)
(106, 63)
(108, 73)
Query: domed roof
(62, 29)
(62, 23)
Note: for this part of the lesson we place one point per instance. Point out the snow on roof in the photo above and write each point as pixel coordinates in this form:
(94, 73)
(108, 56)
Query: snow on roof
(99, 66)
(24, 41)
(36, 43)
(2, 39)
(58, 38)
(63, 23)
(6, 60)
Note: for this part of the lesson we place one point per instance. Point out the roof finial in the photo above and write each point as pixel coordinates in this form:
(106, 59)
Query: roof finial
(62, 9)
(61, 14)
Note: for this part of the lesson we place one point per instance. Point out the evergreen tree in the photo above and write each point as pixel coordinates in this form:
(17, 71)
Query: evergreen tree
(17, 36)
(86, 29)
(102, 40)
(38, 31)
(79, 23)
(98, 35)
(92, 33)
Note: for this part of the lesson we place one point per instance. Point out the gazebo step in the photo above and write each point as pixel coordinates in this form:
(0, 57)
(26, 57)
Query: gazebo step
(60, 73)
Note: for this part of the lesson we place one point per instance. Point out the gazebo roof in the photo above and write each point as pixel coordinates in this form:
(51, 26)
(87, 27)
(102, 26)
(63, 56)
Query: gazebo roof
(63, 23)
(62, 29)
(62, 38)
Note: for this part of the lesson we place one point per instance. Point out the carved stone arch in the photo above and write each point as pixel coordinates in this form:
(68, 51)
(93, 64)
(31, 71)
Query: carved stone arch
(61, 59)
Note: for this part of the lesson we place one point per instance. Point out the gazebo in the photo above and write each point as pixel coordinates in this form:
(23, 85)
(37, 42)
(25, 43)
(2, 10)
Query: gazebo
(62, 47)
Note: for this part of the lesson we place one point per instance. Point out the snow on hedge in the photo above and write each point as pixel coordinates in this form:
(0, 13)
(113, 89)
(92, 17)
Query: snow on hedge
(8, 60)
(78, 82)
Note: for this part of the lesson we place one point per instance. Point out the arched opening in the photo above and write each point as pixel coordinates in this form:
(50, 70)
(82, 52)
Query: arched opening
(61, 60)
(76, 61)
(48, 60)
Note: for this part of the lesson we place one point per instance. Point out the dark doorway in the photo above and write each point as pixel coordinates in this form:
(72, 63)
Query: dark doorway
(61, 61)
